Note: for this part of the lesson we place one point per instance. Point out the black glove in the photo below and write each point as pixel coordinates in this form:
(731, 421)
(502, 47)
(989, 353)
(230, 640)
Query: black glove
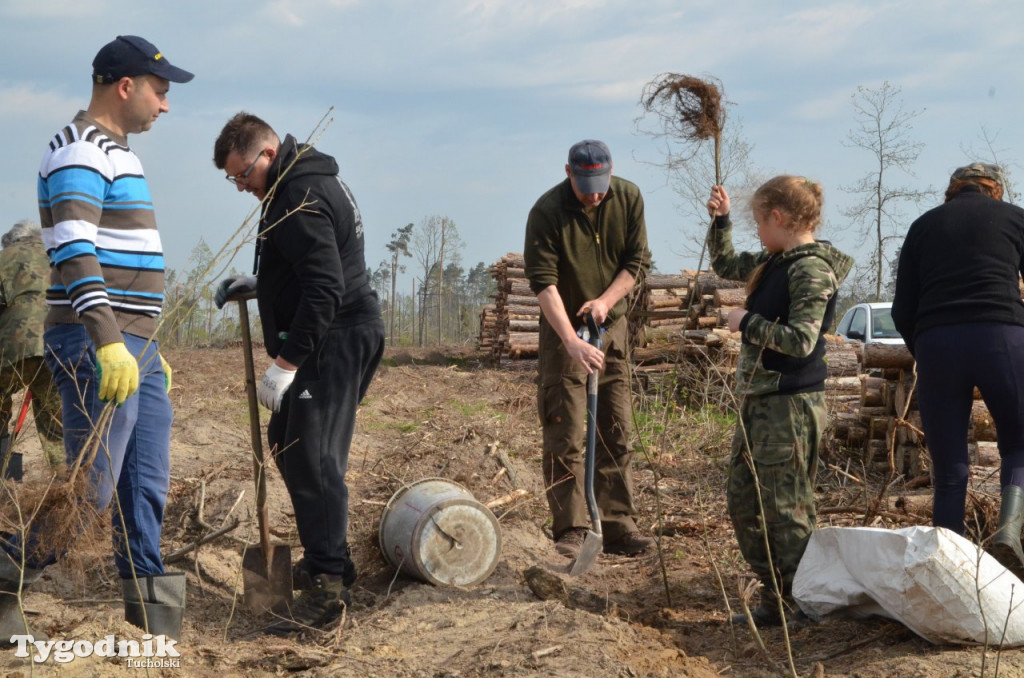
(235, 289)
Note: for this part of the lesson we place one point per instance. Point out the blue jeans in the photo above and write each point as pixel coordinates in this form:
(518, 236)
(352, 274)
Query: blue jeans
(134, 455)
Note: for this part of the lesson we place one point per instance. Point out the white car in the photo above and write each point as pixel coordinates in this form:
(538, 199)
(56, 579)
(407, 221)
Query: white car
(870, 323)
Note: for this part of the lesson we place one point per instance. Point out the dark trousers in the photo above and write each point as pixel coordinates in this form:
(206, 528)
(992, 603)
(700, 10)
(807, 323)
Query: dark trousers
(562, 404)
(310, 439)
(951, 361)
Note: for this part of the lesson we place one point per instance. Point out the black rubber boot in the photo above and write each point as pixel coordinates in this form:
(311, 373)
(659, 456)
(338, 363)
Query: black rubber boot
(12, 621)
(162, 606)
(10, 462)
(1005, 546)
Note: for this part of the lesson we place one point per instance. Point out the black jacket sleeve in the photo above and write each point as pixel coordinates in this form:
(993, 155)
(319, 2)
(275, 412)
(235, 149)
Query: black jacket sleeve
(306, 239)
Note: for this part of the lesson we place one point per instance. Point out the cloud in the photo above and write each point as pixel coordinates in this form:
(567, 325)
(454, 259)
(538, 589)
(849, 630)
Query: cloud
(17, 100)
(300, 13)
(51, 9)
(831, 105)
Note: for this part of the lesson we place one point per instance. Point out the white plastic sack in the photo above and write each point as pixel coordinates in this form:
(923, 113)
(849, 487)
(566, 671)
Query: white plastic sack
(937, 583)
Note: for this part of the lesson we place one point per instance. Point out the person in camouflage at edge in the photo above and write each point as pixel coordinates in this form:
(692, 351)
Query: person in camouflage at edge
(780, 376)
(24, 272)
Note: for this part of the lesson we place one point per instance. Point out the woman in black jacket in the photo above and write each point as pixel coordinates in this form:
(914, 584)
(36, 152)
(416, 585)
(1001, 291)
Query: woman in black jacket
(958, 306)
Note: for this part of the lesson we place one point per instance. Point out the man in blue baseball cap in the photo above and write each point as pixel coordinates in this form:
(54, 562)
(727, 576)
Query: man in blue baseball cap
(105, 294)
(128, 56)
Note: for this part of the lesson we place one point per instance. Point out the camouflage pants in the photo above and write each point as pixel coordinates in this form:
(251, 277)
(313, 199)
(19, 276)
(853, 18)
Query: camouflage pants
(784, 432)
(32, 373)
(562, 405)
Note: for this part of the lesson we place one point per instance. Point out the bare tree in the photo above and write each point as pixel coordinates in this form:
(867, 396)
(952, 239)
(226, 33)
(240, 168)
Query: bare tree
(884, 129)
(399, 246)
(436, 240)
(692, 178)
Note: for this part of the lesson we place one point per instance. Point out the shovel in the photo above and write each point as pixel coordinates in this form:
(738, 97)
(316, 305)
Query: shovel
(266, 567)
(593, 542)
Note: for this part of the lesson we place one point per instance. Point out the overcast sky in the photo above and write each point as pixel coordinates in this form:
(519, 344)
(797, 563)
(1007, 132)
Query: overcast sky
(467, 108)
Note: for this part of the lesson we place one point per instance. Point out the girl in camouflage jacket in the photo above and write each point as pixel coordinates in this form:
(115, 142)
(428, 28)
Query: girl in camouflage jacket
(780, 377)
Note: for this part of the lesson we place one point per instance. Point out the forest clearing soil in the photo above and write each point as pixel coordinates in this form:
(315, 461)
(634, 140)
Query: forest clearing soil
(451, 415)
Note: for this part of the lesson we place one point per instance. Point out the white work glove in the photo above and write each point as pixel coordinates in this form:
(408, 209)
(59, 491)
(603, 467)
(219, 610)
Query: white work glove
(273, 385)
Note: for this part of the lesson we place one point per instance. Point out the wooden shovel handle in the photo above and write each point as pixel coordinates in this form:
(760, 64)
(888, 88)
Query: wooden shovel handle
(255, 433)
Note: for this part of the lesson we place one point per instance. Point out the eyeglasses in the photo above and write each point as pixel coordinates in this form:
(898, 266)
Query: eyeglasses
(244, 175)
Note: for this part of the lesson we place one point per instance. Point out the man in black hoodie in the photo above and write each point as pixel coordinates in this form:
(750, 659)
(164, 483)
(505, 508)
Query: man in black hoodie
(323, 328)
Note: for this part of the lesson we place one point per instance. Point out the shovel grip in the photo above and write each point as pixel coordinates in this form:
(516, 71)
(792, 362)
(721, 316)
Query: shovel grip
(593, 328)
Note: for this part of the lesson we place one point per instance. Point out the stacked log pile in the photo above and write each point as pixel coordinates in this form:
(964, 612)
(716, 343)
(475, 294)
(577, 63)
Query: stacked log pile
(488, 327)
(664, 309)
(509, 327)
(686, 318)
(512, 326)
(671, 318)
(887, 423)
(658, 308)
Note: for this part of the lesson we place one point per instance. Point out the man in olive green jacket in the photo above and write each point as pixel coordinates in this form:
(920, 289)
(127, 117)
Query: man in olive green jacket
(24, 274)
(586, 246)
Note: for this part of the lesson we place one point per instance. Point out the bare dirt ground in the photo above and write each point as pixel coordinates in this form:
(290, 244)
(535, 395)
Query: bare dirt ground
(452, 416)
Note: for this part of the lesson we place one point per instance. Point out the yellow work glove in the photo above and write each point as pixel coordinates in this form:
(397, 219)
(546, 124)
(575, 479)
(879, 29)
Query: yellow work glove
(118, 372)
(167, 374)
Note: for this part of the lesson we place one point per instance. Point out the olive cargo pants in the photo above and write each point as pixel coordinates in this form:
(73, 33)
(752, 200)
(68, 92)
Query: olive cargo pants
(784, 432)
(562, 405)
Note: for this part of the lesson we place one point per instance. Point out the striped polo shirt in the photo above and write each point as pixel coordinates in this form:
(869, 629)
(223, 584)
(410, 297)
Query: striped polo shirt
(99, 229)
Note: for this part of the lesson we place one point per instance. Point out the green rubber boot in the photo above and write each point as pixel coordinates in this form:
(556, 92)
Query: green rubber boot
(1005, 546)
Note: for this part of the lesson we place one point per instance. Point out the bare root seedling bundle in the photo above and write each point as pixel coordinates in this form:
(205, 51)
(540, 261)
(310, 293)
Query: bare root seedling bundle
(62, 505)
(690, 108)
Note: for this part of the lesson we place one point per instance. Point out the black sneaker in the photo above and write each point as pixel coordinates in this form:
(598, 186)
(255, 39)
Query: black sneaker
(315, 609)
(570, 542)
(630, 544)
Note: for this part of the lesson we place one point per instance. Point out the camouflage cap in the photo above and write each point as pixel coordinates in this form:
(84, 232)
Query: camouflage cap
(980, 170)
